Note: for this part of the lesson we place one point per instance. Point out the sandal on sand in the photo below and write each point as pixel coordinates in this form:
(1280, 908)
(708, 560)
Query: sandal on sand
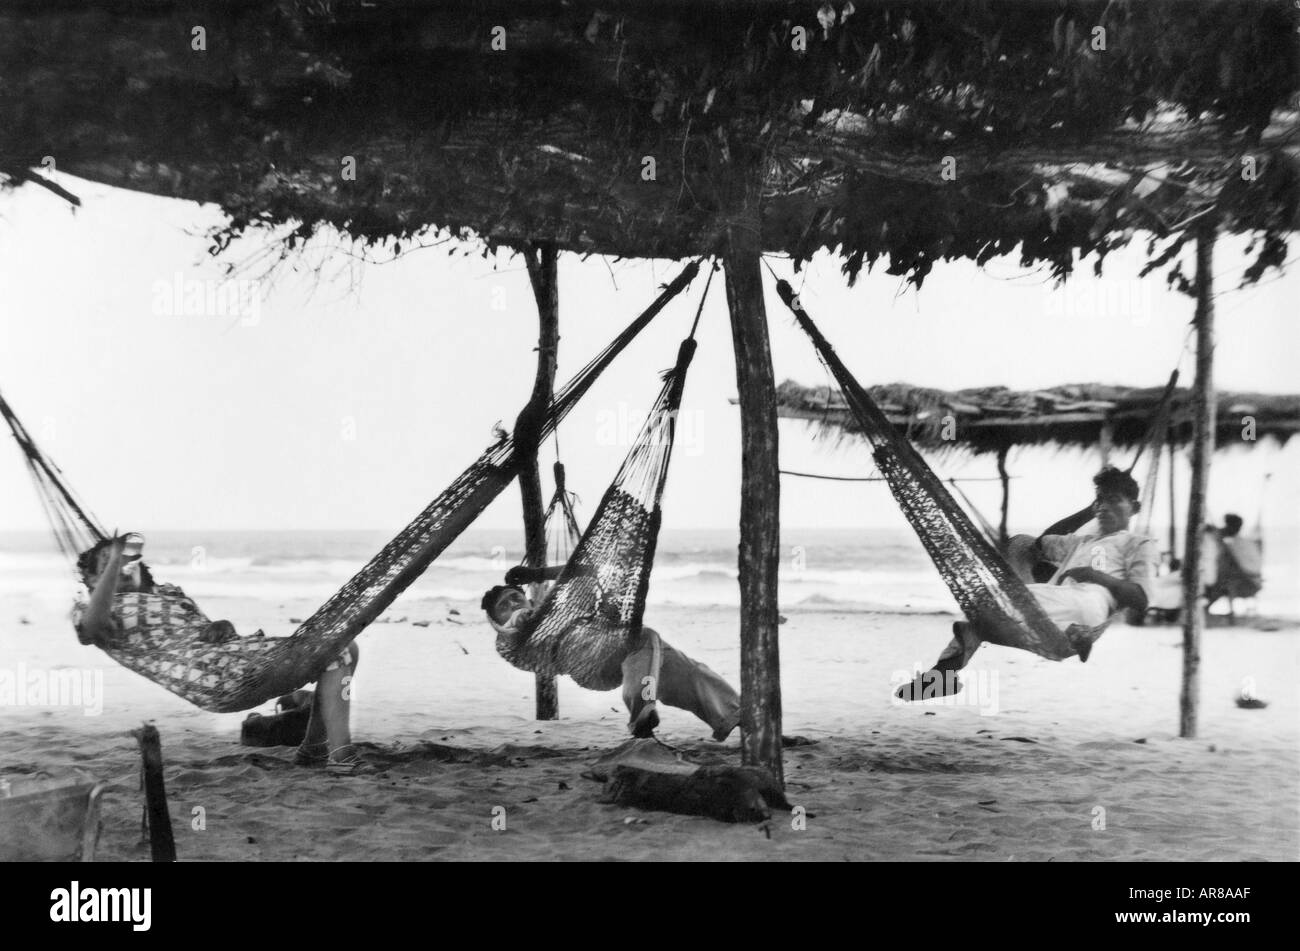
(346, 761)
(312, 754)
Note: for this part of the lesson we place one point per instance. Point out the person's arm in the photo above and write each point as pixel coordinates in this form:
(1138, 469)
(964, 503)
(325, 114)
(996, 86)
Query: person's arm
(1131, 591)
(97, 622)
(1053, 548)
(1127, 594)
(1071, 523)
(522, 574)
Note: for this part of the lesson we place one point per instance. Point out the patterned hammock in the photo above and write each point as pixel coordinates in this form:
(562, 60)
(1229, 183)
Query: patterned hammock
(591, 618)
(224, 678)
(986, 587)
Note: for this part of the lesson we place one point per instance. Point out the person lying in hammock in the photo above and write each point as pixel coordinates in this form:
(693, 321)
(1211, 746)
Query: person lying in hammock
(680, 681)
(128, 609)
(1095, 576)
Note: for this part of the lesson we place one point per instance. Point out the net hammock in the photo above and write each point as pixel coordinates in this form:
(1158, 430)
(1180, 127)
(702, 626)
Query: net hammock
(562, 530)
(591, 617)
(562, 535)
(985, 586)
(246, 672)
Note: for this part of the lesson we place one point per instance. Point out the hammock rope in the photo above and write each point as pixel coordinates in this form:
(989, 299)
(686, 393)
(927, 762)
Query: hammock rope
(246, 672)
(562, 530)
(75, 528)
(592, 616)
(1157, 435)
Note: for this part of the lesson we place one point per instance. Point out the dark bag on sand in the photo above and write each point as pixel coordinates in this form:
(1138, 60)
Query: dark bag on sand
(725, 793)
(286, 727)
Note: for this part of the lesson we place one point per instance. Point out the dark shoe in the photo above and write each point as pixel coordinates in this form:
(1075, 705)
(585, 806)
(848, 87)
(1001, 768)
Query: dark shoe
(1082, 638)
(931, 684)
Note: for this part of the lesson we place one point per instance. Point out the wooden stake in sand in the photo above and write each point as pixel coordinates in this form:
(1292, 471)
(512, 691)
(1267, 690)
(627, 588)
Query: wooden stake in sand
(1203, 417)
(157, 818)
(543, 273)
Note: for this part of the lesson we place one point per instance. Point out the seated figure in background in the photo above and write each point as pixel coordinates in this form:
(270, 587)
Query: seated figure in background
(1240, 565)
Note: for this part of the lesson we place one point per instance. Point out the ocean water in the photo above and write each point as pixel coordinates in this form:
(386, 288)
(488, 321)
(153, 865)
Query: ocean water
(852, 569)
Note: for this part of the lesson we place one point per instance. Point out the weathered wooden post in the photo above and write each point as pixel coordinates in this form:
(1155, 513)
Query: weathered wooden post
(1203, 418)
(543, 273)
(162, 845)
(1173, 503)
(1003, 537)
(1106, 441)
(760, 501)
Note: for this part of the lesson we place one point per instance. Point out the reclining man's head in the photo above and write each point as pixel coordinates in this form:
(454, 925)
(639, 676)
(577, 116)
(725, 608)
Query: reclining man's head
(502, 601)
(135, 574)
(1117, 499)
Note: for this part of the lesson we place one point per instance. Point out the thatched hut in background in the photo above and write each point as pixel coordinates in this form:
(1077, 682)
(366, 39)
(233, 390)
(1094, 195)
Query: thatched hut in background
(899, 132)
(994, 420)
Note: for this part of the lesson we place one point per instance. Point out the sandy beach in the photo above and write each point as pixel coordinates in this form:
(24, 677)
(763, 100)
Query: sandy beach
(1034, 761)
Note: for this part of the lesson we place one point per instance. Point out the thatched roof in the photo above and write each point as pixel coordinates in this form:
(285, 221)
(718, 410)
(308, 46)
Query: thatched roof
(988, 419)
(1059, 146)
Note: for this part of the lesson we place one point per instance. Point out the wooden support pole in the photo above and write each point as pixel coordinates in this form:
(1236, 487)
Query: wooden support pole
(158, 820)
(543, 273)
(1203, 416)
(1003, 537)
(1106, 441)
(1173, 506)
(760, 502)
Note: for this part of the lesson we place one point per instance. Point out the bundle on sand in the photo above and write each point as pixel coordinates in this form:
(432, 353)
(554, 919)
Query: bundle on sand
(726, 793)
(286, 727)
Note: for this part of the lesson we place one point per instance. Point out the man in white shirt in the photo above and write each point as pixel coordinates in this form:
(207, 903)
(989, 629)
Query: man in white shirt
(1096, 575)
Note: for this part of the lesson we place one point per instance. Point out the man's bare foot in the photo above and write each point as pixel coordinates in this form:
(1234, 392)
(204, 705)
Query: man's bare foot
(724, 731)
(961, 649)
(312, 754)
(646, 721)
(347, 761)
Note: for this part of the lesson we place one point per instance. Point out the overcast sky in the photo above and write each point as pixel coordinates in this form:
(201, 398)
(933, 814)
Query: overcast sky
(349, 399)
